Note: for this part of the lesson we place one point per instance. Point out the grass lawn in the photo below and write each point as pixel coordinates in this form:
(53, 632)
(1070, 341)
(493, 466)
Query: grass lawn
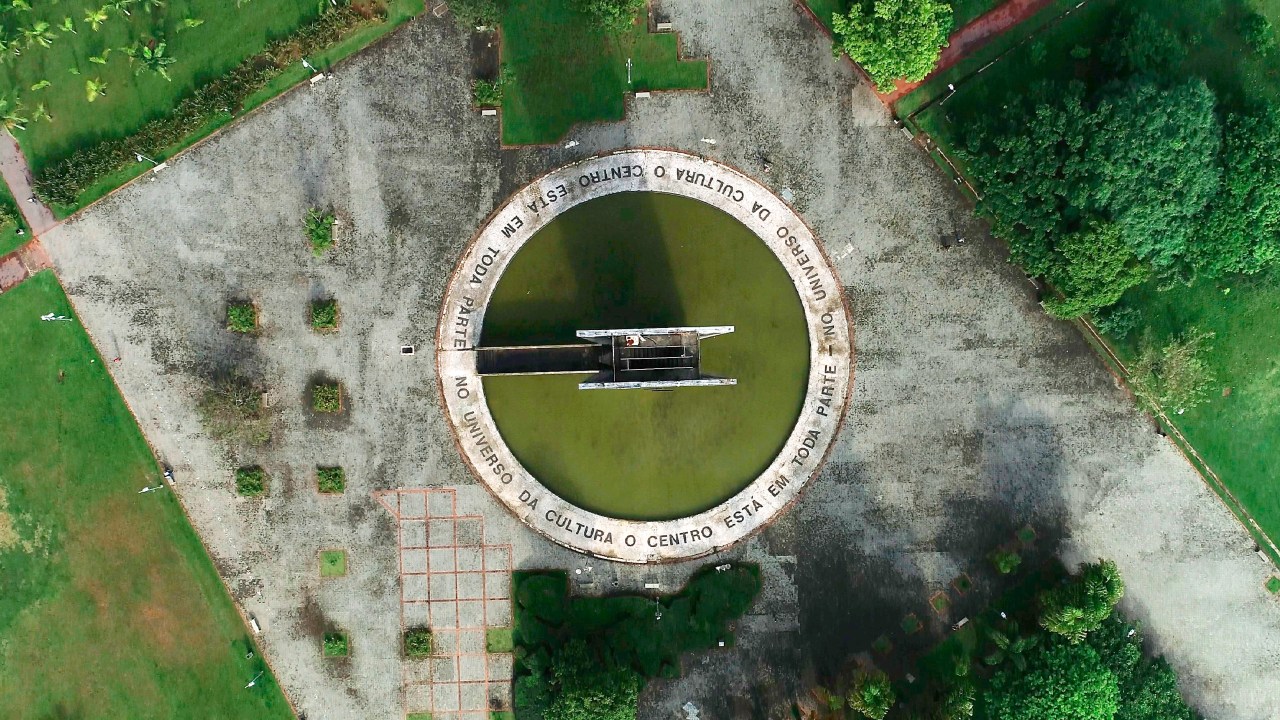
(1236, 434)
(566, 72)
(109, 605)
(498, 640)
(227, 35)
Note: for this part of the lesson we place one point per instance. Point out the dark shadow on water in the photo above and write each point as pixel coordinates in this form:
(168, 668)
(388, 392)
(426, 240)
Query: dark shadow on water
(619, 275)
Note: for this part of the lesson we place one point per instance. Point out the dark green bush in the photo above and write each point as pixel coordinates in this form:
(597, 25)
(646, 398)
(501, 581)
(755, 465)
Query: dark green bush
(1118, 322)
(417, 642)
(326, 397)
(488, 93)
(232, 411)
(331, 479)
(62, 182)
(251, 481)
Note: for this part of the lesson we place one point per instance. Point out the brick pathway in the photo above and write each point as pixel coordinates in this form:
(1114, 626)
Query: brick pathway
(23, 263)
(459, 586)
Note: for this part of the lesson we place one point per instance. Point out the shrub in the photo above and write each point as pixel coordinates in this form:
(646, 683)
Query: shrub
(62, 181)
(1118, 322)
(1175, 376)
(319, 229)
(324, 315)
(474, 13)
(242, 317)
(326, 397)
(871, 695)
(333, 563)
(615, 16)
(1258, 33)
(488, 93)
(417, 642)
(1273, 585)
(1006, 562)
(251, 481)
(232, 411)
(7, 216)
(1082, 603)
(331, 479)
(335, 644)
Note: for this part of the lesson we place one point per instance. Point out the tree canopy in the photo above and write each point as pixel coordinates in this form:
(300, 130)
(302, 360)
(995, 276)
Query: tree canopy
(1093, 268)
(616, 16)
(1062, 681)
(893, 39)
(871, 694)
(1082, 603)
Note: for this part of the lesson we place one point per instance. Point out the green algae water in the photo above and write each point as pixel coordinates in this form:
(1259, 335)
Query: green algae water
(637, 260)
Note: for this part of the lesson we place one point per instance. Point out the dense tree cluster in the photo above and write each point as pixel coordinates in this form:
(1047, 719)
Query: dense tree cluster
(892, 39)
(1097, 187)
(616, 16)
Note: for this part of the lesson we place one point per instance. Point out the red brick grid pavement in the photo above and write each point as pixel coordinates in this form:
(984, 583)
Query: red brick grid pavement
(22, 263)
(456, 584)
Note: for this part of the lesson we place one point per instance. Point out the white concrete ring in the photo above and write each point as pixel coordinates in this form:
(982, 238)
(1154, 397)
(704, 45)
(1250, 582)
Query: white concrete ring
(830, 355)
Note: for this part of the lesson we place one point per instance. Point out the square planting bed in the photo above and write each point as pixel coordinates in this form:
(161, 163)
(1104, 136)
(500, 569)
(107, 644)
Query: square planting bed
(333, 563)
(331, 480)
(326, 397)
(324, 315)
(251, 481)
(242, 317)
(335, 644)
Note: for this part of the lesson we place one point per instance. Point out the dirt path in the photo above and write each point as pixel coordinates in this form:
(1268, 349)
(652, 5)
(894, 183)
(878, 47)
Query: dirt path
(970, 38)
(17, 175)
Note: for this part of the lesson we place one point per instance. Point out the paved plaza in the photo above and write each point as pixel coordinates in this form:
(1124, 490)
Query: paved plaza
(973, 414)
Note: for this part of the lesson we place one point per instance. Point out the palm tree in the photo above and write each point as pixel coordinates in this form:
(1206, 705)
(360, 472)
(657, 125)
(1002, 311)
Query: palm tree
(152, 56)
(153, 4)
(100, 59)
(38, 33)
(20, 5)
(40, 85)
(69, 26)
(11, 114)
(190, 22)
(93, 88)
(122, 6)
(41, 113)
(95, 18)
(1010, 645)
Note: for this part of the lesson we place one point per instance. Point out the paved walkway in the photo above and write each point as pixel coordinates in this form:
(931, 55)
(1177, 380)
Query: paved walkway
(970, 38)
(17, 175)
(454, 582)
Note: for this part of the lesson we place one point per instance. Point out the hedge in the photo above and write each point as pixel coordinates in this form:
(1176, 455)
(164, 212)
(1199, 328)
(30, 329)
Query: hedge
(62, 182)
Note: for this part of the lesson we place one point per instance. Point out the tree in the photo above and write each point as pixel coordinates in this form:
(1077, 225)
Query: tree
(1145, 46)
(871, 694)
(1094, 267)
(93, 88)
(1240, 230)
(95, 18)
(1083, 602)
(893, 39)
(615, 16)
(1009, 644)
(1062, 681)
(1258, 33)
(587, 689)
(11, 114)
(474, 13)
(152, 57)
(1176, 376)
(1153, 164)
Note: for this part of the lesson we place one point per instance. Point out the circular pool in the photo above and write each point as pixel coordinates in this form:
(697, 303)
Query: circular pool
(649, 260)
(646, 239)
